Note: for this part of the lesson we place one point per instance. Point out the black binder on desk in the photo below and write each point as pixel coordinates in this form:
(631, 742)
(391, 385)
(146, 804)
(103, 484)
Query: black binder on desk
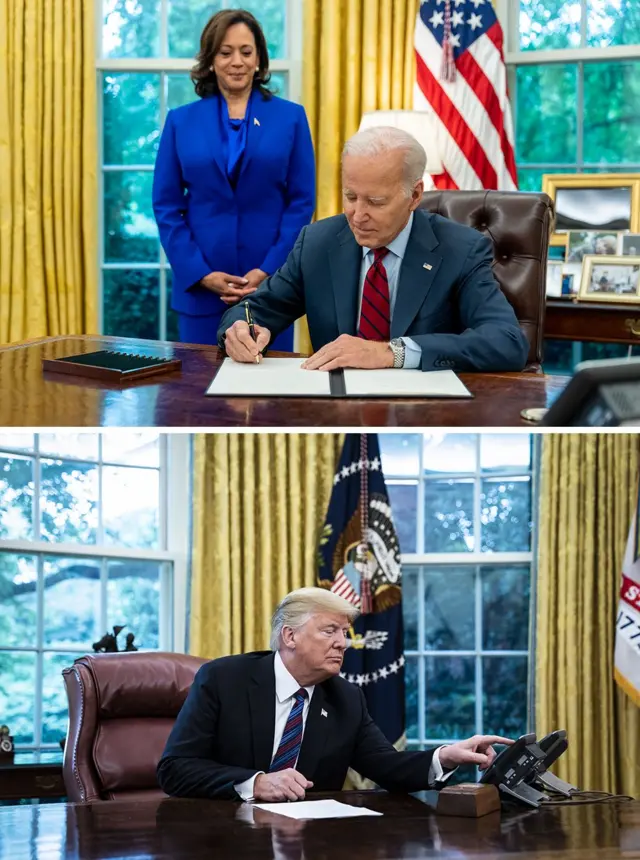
(111, 365)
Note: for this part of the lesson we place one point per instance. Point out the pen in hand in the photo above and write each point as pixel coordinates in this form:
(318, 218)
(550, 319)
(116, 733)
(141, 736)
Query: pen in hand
(252, 328)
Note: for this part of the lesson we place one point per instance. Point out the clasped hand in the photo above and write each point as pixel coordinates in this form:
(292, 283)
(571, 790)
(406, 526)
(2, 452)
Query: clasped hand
(231, 288)
(475, 750)
(286, 784)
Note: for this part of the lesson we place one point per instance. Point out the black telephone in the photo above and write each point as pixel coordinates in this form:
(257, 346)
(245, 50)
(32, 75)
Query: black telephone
(512, 766)
(552, 745)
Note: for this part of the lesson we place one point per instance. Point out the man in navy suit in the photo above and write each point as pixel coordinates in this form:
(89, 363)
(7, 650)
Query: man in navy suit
(386, 284)
(273, 725)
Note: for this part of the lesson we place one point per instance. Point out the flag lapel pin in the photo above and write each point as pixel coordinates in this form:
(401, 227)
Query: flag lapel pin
(324, 713)
(427, 266)
(255, 121)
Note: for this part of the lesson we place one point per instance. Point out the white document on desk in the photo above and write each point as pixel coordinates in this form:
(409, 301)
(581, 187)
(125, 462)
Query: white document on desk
(273, 377)
(307, 809)
(390, 382)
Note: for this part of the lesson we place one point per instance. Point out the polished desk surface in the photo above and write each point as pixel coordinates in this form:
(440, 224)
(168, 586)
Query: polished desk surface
(179, 829)
(31, 398)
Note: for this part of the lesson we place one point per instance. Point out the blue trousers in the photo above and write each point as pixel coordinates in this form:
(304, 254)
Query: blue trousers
(204, 330)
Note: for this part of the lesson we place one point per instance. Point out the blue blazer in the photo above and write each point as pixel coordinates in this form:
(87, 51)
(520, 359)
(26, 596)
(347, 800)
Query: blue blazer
(448, 300)
(206, 224)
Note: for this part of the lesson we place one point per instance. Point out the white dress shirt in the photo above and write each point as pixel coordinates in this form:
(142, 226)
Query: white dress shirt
(286, 688)
(392, 263)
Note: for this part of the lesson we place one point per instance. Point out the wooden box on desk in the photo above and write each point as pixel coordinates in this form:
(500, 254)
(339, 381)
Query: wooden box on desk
(468, 800)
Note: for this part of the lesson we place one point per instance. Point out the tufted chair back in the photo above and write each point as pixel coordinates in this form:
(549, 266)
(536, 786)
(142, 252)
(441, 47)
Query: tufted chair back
(121, 709)
(519, 226)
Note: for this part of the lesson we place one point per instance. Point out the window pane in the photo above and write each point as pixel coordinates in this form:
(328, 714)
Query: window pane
(279, 84)
(450, 697)
(411, 699)
(18, 604)
(131, 303)
(410, 606)
(180, 90)
(612, 111)
(505, 608)
(549, 24)
(186, 21)
(546, 105)
(271, 14)
(130, 231)
(131, 29)
(17, 693)
(454, 453)
(17, 441)
(449, 608)
(16, 498)
(80, 446)
(133, 600)
(131, 448)
(404, 504)
(71, 602)
(131, 498)
(504, 709)
(448, 516)
(400, 454)
(610, 22)
(131, 117)
(54, 698)
(530, 179)
(505, 450)
(506, 515)
(68, 501)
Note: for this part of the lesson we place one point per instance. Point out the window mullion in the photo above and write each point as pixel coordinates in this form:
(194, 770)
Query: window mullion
(37, 711)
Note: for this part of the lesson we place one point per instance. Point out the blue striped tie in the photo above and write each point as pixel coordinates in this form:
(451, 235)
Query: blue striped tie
(287, 752)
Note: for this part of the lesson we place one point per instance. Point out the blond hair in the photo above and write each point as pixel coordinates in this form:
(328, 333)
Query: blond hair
(298, 606)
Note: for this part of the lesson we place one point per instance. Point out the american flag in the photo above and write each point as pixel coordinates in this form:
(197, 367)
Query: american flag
(461, 77)
(627, 651)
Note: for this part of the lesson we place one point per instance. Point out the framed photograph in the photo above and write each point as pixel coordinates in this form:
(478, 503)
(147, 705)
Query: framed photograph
(582, 242)
(572, 272)
(568, 288)
(614, 279)
(554, 279)
(594, 202)
(630, 244)
(557, 253)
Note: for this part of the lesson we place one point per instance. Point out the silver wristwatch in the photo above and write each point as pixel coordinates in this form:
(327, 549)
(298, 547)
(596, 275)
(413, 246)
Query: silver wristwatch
(397, 348)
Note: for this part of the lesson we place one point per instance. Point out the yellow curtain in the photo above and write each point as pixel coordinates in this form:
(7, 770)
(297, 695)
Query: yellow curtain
(259, 503)
(48, 168)
(587, 500)
(358, 57)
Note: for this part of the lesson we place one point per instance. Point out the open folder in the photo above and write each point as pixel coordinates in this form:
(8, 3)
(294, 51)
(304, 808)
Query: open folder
(284, 377)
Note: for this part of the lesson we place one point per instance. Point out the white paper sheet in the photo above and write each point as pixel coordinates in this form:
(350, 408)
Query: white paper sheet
(273, 377)
(390, 382)
(316, 809)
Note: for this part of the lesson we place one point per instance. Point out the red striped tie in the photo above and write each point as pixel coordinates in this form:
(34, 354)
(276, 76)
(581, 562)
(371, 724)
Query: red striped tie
(375, 314)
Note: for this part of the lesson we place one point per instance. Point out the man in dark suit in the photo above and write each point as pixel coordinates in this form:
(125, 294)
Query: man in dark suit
(386, 284)
(272, 725)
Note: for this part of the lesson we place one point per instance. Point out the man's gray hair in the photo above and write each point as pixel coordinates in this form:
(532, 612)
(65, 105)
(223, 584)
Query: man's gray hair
(298, 606)
(380, 139)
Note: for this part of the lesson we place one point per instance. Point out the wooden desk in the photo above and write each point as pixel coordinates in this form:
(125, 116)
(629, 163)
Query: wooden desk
(20, 781)
(592, 321)
(28, 398)
(179, 829)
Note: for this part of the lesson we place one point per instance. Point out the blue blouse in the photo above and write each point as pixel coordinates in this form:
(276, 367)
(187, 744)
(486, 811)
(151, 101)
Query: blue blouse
(236, 140)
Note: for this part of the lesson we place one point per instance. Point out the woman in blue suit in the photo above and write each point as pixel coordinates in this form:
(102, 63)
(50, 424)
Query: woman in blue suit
(234, 181)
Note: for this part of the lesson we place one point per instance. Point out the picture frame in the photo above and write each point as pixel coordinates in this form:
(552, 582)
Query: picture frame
(594, 202)
(630, 244)
(554, 279)
(610, 279)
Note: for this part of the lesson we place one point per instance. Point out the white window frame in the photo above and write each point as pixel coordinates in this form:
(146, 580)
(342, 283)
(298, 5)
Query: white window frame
(164, 65)
(508, 12)
(474, 561)
(173, 555)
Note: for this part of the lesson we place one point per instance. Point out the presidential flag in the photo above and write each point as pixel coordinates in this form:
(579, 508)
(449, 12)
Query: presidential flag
(461, 77)
(359, 558)
(627, 652)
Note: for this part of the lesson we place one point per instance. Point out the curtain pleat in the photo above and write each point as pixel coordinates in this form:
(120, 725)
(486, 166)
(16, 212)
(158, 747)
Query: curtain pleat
(48, 169)
(259, 503)
(587, 501)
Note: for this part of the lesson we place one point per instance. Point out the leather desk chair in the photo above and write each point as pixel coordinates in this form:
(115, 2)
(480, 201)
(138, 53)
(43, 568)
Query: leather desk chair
(121, 710)
(519, 226)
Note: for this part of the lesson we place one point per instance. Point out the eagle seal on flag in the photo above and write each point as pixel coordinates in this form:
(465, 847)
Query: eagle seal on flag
(359, 559)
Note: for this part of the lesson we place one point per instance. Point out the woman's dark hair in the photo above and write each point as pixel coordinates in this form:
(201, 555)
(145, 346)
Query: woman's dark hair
(204, 79)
